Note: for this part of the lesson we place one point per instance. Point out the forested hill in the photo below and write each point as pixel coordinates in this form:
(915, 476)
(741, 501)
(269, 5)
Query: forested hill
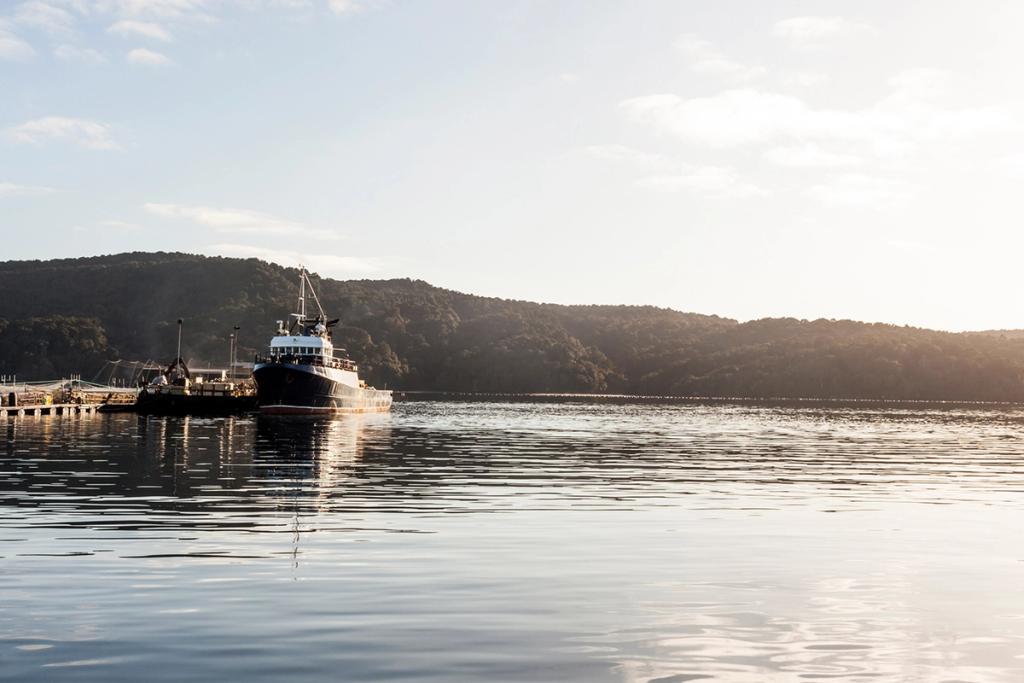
(73, 315)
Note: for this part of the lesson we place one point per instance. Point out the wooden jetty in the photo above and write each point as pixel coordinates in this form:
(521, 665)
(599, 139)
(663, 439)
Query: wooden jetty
(40, 409)
(66, 397)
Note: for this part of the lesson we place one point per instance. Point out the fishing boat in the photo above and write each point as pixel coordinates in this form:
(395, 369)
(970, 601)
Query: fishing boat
(304, 374)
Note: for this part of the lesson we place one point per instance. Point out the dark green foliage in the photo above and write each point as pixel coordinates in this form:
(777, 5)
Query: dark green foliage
(56, 317)
(846, 359)
(52, 347)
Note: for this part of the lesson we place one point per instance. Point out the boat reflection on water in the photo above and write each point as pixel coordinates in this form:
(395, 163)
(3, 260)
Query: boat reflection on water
(189, 472)
(304, 436)
(314, 457)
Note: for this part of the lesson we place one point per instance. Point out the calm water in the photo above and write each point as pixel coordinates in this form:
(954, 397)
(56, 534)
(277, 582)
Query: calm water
(516, 542)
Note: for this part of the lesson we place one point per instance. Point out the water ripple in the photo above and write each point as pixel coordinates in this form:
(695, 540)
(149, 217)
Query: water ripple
(517, 541)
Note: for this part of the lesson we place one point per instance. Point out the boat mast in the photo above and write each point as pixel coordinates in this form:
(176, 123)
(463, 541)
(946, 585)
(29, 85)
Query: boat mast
(316, 299)
(304, 281)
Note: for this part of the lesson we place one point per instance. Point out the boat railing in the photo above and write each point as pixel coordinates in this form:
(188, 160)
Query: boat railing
(308, 359)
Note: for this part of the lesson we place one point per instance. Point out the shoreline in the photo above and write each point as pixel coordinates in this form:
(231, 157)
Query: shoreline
(549, 397)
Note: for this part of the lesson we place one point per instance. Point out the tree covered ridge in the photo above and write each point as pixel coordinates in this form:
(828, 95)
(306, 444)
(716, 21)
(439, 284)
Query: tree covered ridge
(71, 315)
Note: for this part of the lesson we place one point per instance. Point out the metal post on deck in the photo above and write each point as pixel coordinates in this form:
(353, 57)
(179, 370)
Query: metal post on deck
(234, 353)
(180, 321)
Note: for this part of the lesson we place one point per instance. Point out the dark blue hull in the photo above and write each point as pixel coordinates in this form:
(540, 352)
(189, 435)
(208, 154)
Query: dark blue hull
(292, 388)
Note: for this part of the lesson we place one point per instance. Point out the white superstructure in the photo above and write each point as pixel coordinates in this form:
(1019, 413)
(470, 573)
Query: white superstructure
(304, 373)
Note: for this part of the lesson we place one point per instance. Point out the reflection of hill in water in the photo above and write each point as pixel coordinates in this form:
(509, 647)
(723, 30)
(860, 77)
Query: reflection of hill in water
(122, 471)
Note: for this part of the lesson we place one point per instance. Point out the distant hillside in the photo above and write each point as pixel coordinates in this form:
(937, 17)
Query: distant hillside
(1008, 334)
(72, 315)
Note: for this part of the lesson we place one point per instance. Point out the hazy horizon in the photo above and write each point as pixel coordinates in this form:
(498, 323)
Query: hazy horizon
(842, 160)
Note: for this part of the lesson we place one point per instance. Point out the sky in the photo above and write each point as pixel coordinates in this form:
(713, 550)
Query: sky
(749, 159)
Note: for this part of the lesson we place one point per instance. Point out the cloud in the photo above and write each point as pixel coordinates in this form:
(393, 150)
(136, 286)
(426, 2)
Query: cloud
(324, 264)
(921, 83)
(912, 246)
(1012, 166)
(83, 55)
(44, 16)
(862, 191)
(15, 190)
(705, 59)
(623, 153)
(120, 226)
(131, 29)
(346, 7)
(746, 116)
(82, 132)
(805, 32)
(805, 79)
(227, 220)
(810, 155)
(12, 47)
(164, 9)
(148, 57)
(713, 181)
(729, 119)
